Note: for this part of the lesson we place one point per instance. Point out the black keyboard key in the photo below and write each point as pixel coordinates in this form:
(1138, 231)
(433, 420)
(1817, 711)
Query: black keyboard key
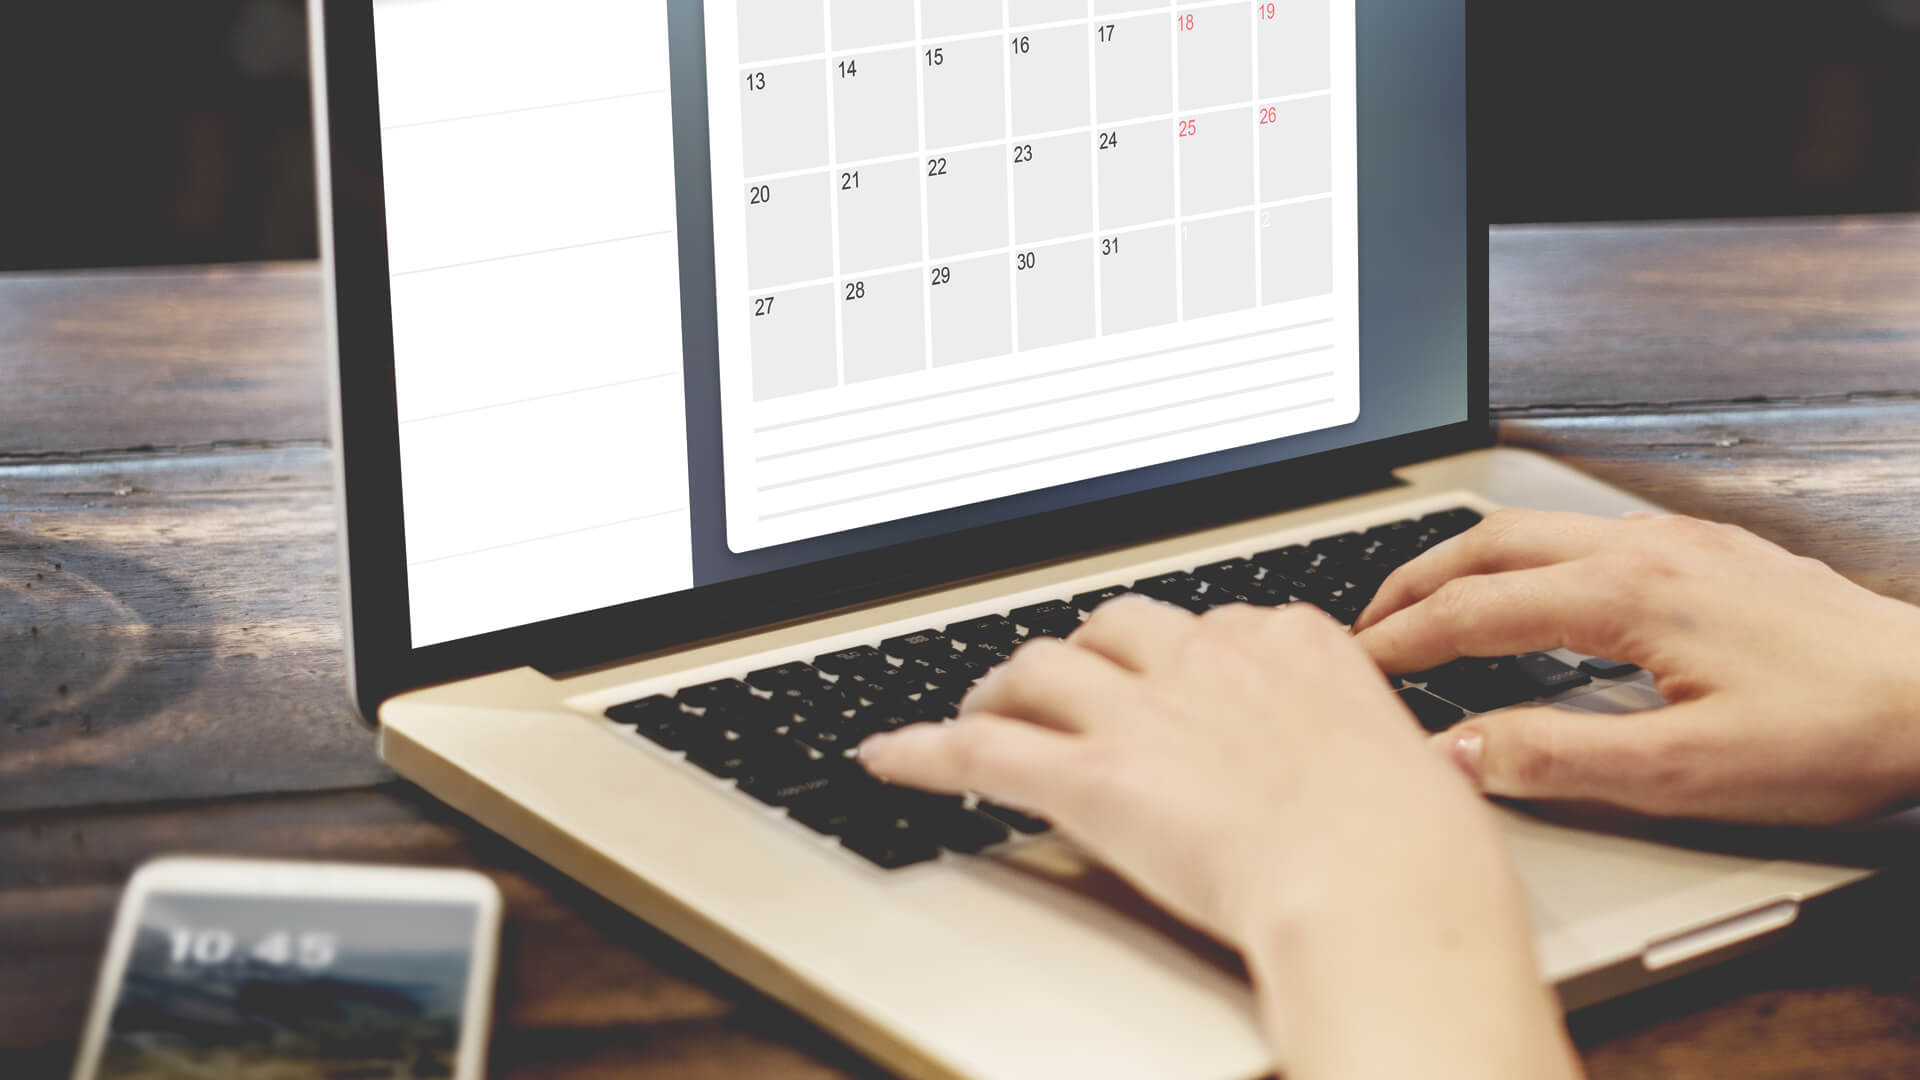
(990, 630)
(1482, 685)
(659, 708)
(990, 655)
(780, 778)
(899, 823)
(1341, 546)
(966, 832)
(1608, 669)
(855, 662)
(1449, 523)
(937, 675)
(896, 685)
(921, 643)
(673, 728)
(1237, 575)
(883, 716)
(1434, 715)
(830, 816)
(717, 692)
(1287, 561)
(1020, 822)
(1393, 536)
(1088, 601)
(751, 718)
(1051, 618)
(1180, 589)
(728, 758)
(1358, 572)
(819, 700)
(831, 737)
(889, 849)
(1548, 675)
(794, 674)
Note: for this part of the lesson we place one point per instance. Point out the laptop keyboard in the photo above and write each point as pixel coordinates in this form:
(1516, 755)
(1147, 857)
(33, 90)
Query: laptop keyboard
(783, 735)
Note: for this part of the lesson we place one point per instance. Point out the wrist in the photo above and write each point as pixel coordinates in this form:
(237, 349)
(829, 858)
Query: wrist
(1408, 971)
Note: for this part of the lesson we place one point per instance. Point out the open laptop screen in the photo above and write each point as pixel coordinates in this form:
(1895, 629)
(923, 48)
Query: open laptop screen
(688, 291)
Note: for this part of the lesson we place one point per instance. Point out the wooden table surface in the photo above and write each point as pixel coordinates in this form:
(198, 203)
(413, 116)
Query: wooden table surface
(170, 668)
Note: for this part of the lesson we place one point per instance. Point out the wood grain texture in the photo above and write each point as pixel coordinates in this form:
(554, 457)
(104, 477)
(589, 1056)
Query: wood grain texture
(587, 990)
(153, 358)
(170, 671)
(169, 628)
(1590, 316)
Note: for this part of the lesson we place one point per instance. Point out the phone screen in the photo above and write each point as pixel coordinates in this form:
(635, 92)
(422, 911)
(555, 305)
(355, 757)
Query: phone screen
(291, 987)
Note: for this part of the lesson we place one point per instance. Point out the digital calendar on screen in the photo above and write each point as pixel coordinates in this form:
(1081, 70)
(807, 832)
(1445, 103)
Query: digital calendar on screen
(970, 248)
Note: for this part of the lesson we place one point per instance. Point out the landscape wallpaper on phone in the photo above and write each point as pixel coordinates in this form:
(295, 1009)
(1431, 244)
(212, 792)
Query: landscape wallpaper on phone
(386, 1002)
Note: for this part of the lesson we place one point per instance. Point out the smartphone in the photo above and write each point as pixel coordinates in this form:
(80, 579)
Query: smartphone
(243, 967)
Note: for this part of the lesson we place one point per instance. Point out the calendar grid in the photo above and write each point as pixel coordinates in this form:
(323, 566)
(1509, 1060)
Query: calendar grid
(1179, 226)
(1117, 215)
(833, 206)
(1124, 230)
(1083, 129)
(1093, 164)
(1253, 132)
(1006, 112)
(1008, 25)
(926, 248)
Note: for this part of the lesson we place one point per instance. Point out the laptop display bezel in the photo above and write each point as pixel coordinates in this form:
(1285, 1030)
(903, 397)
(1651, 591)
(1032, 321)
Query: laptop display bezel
(384, 660)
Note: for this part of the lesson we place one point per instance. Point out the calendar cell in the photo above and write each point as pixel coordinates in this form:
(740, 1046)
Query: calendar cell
(1296, 148)
(773, 29)
(1216, 60)
(1294, 53)
(1136, 173)
(1052, 188)
(1133, 66)
(875, 105)
(1137, 280)
(1054, 293)
(1218, 270)
(1050, 80)
(879, 214)
(966, 201)
(966, 91)
(1025, 12)
(883, 324)
(789, 230)
(1115, 7)
(784, 117)
(939, 18)
(1296, 251)
(793, 341)
(858, 24)
(972, 310)
(1216, 161)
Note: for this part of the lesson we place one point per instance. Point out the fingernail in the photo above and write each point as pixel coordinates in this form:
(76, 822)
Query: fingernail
(1466, 754)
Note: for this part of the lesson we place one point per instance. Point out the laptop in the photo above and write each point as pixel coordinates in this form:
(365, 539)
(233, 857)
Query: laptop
(721, 381)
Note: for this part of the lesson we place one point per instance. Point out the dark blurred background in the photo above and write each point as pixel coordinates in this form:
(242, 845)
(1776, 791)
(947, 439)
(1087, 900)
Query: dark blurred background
(176, 131)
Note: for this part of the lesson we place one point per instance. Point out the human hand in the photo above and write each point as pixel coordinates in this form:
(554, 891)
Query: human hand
(1795, 693)
(1250, 770)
